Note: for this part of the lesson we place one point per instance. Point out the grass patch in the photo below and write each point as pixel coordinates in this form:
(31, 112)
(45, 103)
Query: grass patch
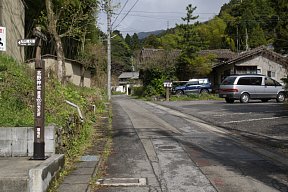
(17, 109)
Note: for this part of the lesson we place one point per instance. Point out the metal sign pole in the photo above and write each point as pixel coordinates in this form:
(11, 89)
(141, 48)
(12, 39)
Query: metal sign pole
(39, 144)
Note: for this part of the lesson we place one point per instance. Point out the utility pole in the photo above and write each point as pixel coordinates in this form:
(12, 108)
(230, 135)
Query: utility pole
(246, 39)
(108, 9)
(237, 41)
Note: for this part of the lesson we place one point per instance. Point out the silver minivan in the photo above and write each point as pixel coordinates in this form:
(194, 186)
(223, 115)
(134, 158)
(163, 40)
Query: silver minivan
(246, 87)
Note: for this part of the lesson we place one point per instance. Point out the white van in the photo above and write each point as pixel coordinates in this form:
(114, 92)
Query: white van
(246, 87)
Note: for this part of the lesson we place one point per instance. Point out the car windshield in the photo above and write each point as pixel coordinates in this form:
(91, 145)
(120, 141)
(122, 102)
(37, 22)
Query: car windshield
(228, 81)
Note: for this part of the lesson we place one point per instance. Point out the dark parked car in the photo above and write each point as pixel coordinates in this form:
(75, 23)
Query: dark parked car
(193, 86)
(246, 87)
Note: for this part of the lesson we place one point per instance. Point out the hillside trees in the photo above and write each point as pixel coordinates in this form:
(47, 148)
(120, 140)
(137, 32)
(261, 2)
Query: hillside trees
(249, 23)
(68, 18)
(69, 25)
(121, 54)
(281, 41)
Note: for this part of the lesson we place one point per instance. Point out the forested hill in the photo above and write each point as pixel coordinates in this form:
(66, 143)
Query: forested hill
(240, 25)
(266, 22)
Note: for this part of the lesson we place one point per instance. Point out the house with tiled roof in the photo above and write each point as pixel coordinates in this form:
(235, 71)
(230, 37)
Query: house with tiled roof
(260, 60)
(221, 55)
(162, 57)
(127, 80)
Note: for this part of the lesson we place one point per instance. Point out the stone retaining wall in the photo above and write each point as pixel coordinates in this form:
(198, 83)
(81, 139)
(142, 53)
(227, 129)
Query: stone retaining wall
(18, 141)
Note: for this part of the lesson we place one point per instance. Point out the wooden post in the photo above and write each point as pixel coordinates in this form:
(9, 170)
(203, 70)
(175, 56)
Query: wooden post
(167, 93)
(39, 116)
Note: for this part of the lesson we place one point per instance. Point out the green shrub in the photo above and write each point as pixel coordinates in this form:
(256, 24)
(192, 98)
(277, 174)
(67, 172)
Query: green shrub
(138, 91)
(16, 93)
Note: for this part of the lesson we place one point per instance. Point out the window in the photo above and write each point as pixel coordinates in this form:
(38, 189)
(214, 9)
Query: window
(269, 73)
(269, 82)
(193, 83)
(250, 81)
(258, 71)
(244, 81)
(228, 81)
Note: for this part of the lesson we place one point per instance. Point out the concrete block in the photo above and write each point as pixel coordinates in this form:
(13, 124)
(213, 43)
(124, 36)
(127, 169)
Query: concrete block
(41, 176)
(5, 133)
(5, 148)
(30, 141)
(19, 141)
(49, 141)
(5, 141)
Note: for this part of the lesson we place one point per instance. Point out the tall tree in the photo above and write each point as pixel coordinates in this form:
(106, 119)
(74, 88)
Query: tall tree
(190, 44)
(68, 18)
(281, 41)
(135, 43)
(128, 40)
(121, 55)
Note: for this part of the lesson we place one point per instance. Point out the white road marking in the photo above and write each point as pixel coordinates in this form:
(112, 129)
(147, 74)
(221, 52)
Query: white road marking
(249, 120)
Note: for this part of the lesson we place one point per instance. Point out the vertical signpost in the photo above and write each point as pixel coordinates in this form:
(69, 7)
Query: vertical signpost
(39, 144)
(167, 85)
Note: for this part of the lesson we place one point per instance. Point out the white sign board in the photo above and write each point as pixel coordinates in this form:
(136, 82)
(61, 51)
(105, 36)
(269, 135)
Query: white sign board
(2, 38)
(26, 42)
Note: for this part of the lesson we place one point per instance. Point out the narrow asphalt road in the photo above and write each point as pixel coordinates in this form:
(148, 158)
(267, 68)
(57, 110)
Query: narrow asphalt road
(159, 149)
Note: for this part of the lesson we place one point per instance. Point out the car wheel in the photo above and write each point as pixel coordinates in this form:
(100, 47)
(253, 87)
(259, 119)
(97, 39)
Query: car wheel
(204, 91)
(280, 97)
(229, 100)
(179, 92)
(244, 98)
(264, 100)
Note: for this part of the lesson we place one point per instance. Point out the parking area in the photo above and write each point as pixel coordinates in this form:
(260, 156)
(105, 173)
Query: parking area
(267, 119)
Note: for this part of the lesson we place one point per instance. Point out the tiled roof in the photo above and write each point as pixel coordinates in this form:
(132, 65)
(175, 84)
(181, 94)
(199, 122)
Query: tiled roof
(155, 53)
(129, 75)
(258, 51)
(222, 54)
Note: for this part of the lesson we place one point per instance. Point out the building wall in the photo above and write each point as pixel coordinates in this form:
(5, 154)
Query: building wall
(73, 71)
(12, 16)
(263, 65)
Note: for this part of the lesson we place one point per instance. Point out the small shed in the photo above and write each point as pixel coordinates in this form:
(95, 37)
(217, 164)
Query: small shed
(128, 80)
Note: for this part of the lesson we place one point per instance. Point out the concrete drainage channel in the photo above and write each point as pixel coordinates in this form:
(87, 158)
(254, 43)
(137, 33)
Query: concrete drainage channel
(122, 182)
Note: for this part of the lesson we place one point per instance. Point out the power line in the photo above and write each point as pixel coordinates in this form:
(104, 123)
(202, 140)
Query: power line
(120, 12)
(127, 14)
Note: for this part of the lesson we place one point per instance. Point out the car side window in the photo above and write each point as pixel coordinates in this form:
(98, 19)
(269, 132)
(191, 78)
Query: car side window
(193, 83)
(249, 81)
(269, 82)
(256, 80)
(244, 81)
(277, 83)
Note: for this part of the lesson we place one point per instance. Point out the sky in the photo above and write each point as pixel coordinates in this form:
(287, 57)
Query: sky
(150, 15)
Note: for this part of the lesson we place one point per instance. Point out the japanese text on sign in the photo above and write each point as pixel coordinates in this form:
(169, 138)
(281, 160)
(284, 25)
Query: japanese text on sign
(38, 93)
(2, 38)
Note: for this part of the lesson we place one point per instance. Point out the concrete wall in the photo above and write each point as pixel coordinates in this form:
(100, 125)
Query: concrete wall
(262, 64)
(266, 65)
(12, 16)
(73, 70)
(18, 141)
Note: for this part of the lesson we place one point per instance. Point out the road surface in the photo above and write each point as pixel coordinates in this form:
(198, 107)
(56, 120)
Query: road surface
(161, 149)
